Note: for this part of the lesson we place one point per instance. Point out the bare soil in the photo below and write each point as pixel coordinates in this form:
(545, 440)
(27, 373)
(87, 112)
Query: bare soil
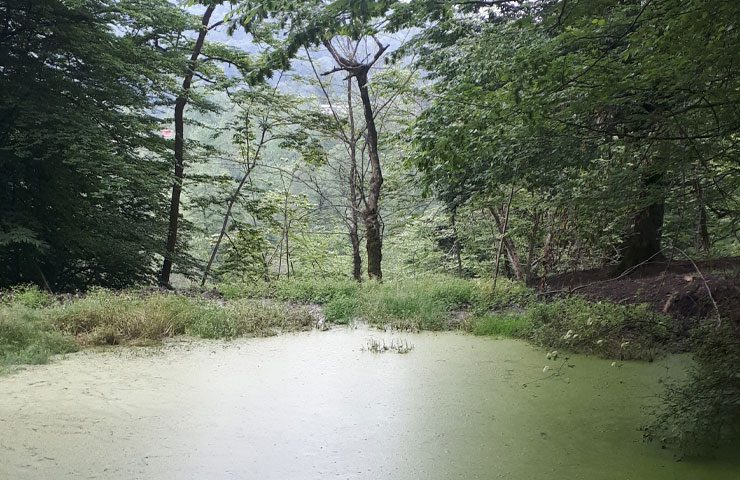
(677, 288)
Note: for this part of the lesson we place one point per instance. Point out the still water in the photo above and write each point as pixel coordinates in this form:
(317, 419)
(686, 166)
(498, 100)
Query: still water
(315, 405)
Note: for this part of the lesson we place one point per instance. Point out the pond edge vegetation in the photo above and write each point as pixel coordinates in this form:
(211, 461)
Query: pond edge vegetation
(35, 325)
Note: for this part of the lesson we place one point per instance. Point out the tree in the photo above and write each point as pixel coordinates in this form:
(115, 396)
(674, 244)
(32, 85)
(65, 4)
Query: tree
(349, 62)
(324, 22)
(180, 103)
(203, 64)
(82, 163)
(266, 117)
(574, 101)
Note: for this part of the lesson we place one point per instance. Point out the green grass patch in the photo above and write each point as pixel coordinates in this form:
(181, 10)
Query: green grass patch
(504, 325)
(341, 309)
(251, 318)
(34, 326)
(27, 338)
(424, 303)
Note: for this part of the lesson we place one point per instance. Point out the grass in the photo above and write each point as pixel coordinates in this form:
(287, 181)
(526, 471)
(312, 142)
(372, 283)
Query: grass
(511, 310)
(504, 325)
(27, 338)
(425, 303)
(34, 326)
(251, 318)
(396, 346)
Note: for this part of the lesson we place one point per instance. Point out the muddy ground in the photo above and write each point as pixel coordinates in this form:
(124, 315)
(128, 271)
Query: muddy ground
(677, 288)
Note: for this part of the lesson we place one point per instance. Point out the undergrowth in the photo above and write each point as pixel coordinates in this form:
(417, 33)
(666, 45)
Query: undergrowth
(703, 412)
(602, 328)
(35, 325)
(425, 303)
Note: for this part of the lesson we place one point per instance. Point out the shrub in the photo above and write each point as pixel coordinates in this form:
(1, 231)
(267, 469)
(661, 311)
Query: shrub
(699, 413)
(602, 328)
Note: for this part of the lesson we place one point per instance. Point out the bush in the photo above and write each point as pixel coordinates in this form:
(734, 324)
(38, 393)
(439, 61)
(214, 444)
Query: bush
(699, 414)
(602, 328)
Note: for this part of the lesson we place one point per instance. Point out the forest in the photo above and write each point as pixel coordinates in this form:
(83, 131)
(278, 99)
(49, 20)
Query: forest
(564, 173)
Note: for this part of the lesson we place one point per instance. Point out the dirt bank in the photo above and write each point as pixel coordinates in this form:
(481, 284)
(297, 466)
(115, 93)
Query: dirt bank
(679, 289)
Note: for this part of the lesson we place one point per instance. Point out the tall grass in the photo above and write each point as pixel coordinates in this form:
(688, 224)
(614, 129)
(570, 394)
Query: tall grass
(424, 303)
(504, 325)
(35, 326)
(26, 337)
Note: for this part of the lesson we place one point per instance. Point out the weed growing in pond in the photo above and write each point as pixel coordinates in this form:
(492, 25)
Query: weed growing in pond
(395, 346)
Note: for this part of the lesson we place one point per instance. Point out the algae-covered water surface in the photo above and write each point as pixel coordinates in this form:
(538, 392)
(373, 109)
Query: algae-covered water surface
(319, 405)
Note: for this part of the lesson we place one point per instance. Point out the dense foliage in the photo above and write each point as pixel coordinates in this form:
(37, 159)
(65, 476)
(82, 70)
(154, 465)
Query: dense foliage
(613, 123)
(472, 148)
(82, 165)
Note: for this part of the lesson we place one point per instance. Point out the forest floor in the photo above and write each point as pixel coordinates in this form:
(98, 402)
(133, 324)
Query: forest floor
(681, 289)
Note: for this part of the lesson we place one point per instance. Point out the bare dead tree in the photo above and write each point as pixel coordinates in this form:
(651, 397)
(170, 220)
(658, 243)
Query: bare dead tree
(359, 69)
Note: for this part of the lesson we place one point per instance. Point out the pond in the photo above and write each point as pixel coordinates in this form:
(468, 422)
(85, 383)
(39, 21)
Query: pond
(316, 405)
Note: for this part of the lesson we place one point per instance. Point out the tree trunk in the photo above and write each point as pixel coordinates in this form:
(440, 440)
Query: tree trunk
(534, 237)
(286, 223)
(354, 224)
(354, 197)
(512, 254)
(456, 245)
(502, 228)
(373, 233)
(224, 227)
(703, 242)
(644, 241)
(180, 104)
